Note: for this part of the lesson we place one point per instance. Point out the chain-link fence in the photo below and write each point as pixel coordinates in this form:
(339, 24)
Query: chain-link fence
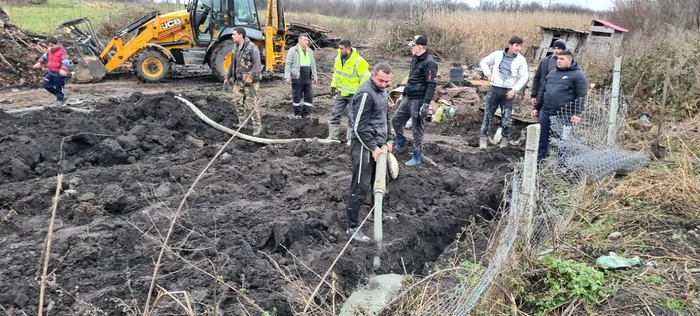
(540, 206)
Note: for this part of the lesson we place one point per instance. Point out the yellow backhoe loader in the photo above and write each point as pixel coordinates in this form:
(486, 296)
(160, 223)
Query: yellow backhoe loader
(200, 34)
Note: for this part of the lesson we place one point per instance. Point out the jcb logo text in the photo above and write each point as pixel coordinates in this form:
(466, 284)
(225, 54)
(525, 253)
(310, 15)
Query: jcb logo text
(171, 23)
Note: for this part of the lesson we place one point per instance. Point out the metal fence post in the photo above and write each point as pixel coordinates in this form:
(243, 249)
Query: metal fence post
(526, 201)
(614, 99)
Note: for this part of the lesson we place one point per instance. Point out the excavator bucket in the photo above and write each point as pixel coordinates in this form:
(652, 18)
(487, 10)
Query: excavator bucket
(90, 69)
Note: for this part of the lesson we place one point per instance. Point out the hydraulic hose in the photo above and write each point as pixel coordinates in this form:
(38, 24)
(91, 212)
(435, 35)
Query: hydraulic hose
(379, 191)
(259, 140)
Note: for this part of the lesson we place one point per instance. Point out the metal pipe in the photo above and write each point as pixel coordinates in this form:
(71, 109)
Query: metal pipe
(266, 141)
(379, 191)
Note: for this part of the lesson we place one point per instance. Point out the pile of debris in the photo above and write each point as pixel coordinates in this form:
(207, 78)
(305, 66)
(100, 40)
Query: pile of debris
(18, 52)
(319, 35)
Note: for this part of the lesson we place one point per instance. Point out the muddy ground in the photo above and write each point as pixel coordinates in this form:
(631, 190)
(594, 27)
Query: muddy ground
(127, 165)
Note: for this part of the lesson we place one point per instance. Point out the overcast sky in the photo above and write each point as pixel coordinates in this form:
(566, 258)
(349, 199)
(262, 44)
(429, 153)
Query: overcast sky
(593, 4)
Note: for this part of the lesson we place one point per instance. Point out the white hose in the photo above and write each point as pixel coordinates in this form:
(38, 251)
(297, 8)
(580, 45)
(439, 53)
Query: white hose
(41, 108)
(248, 137)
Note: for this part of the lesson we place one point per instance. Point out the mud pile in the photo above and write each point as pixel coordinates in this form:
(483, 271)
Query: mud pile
(18, 53)
(126, 168)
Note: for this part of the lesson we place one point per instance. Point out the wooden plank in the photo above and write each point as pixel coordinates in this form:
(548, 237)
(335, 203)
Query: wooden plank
(520, 118)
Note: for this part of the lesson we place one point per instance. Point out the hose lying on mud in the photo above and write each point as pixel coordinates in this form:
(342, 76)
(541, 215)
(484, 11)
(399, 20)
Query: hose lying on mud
(266, 141)
(41, 108)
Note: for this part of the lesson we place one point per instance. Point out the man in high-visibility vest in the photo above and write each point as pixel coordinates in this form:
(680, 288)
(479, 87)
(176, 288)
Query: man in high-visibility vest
(349, 72)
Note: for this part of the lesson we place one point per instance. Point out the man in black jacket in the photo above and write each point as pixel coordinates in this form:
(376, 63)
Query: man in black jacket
(561, 100)
(370, 131)
(547, 65)
(417, 98)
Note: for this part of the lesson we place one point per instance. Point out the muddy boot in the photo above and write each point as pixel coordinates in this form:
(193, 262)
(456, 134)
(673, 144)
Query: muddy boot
(400, 143)
(417, 153)
(504, 143)
(257, 130)
(360, 236)
(333, 130)
(482, 142)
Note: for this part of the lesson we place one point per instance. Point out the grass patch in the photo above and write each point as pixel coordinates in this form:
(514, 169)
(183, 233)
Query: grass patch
(45, 18)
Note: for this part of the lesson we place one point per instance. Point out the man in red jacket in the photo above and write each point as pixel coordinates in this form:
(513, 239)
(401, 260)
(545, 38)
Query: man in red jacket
(57, 62)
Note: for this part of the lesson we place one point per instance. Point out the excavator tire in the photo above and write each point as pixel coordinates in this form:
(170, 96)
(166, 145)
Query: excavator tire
(152, 66)
(221, 59)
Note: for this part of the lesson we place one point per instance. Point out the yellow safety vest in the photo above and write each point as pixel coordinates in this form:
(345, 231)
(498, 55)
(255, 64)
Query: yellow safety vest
(347, 78)
(304, 58)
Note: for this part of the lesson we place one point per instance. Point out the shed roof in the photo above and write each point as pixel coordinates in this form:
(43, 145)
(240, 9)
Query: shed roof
(561, 29)
(610, 25)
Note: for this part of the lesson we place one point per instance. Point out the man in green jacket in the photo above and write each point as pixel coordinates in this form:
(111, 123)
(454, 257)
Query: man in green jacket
(300, 71)
(349, 72)
(245, 74)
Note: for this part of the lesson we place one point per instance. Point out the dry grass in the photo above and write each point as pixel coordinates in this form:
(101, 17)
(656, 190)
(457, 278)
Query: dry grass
(477, 33)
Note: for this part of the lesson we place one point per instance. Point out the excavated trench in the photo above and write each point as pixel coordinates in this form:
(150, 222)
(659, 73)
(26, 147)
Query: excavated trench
(127, 166)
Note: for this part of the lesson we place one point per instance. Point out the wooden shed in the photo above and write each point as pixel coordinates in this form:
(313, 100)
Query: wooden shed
(605, 36)
(575, 39)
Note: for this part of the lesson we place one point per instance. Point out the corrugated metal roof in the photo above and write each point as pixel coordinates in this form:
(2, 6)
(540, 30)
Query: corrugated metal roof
(561, 29)
(610, 25)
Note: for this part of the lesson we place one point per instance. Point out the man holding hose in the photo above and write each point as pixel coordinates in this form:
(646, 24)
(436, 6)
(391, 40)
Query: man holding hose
(370, 131)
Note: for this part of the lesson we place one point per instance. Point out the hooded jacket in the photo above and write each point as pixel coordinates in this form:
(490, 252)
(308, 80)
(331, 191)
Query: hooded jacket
(546, 66)
(564, 92)
(370, 119)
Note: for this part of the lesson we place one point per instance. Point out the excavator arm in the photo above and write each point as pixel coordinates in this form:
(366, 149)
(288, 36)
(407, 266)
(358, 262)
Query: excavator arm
(275, 34)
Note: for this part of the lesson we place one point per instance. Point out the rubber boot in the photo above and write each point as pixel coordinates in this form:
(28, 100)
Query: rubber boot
(400, 143)
(417, 153)
(333, 131)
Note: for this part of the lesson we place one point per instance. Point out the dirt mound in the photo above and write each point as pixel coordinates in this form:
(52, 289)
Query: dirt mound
(18, 53)
(126, 167)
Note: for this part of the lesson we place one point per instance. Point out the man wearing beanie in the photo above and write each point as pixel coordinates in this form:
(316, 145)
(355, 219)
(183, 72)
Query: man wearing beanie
(547, 65)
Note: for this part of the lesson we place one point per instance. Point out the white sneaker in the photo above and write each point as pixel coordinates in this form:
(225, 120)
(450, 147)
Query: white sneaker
(359, 236)
(482, 142)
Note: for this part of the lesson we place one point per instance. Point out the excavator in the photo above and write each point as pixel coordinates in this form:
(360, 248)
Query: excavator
(200, 34)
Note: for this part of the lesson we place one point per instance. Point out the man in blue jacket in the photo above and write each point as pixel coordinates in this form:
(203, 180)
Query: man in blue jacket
(561, 99)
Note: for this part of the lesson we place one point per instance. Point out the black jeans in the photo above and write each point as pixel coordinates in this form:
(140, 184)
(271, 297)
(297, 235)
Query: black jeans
(303, 85)
(363, 166)
(409, 109)
(495, 97)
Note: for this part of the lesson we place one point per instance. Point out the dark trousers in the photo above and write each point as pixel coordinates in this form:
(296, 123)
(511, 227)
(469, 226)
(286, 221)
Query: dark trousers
(54, 83)
(495, 97)
(409, 109)
(554, 126)
(363, 166)
(303, 86)
(341, 103)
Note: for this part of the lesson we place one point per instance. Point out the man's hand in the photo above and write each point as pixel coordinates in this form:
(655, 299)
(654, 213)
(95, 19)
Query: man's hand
(533, 101)
(225, 81)
(36, 66)
(404, 81)
(390, 147)
(575, 119)
(489, 77)
(534, 114)
(376, 153)
(510, 94)
(288, 80)
(316, 81)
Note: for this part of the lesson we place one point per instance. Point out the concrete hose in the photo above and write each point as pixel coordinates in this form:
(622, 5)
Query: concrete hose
(259, 140)
(41, 108)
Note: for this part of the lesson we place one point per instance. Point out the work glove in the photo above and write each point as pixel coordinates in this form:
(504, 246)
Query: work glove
(248, 82)
(426, 112)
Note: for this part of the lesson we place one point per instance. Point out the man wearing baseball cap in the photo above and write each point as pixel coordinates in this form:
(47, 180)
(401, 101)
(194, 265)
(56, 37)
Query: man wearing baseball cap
(417, 97)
